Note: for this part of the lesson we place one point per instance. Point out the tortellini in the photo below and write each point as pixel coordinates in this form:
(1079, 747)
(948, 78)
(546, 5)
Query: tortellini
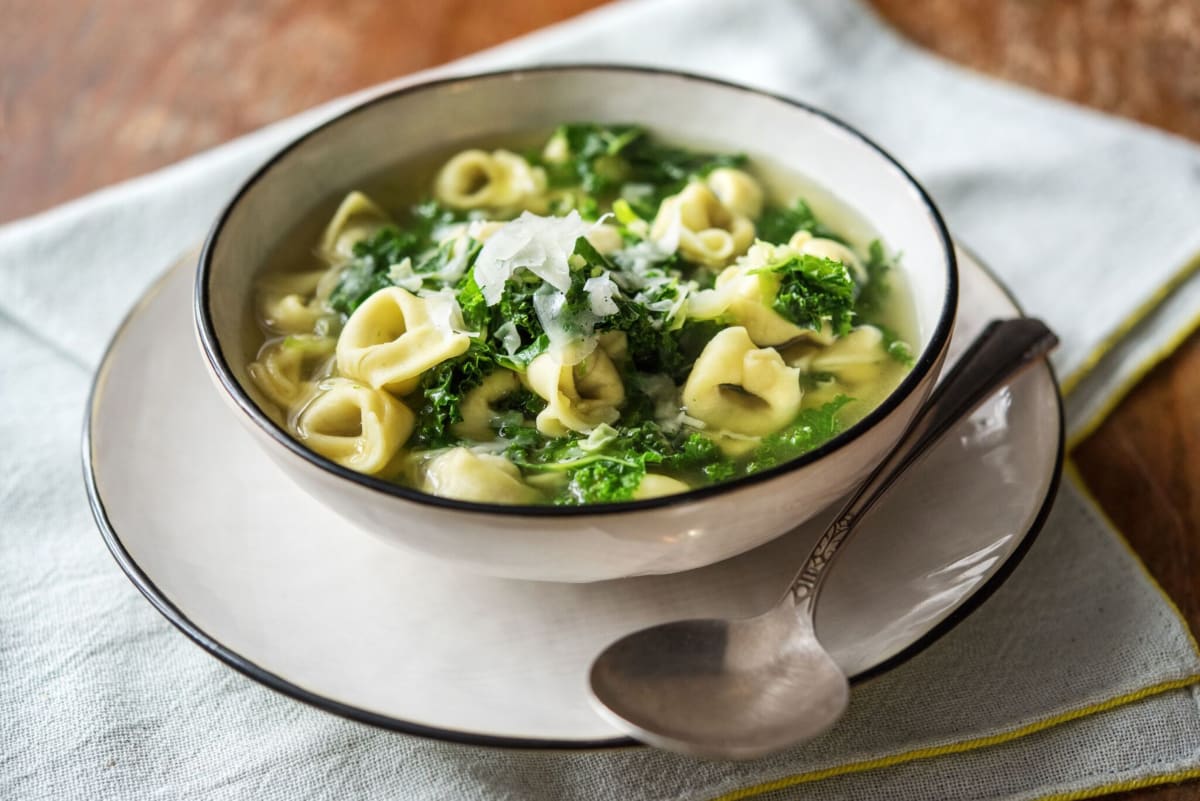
(856, 358)
(745, 295)
(579, 397)
(737, 387)
(615, 344)
(283, 367)
(392, 339)
(708, 232)
(291, 303)
(804, 242)
(469, 476)
(737, 191)
(656, 485)
(354, 425)
(605, 238)
(476, 179)
(356, 219)
(592, 341)
(476, 406)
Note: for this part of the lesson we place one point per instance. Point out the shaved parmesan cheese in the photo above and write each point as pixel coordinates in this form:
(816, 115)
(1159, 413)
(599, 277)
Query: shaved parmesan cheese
(510, 338)
(600, 291)
(642, 261)
(444, 233)
(541, 245)
(569, 346)
(402, 275)
(456, 265)
(444, 312)
(482, 230)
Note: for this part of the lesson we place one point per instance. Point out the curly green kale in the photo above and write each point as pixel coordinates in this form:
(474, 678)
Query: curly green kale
(811, 429)
(607, 159)
(813, 290)
(442, 390)
(374, 257)
(873, 295)
(778, 223)
(609, 464)
(872, 300)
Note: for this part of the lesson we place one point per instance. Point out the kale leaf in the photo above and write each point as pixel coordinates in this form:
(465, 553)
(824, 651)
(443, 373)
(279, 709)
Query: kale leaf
(605, 159)
(872, 300)
(698, 452)
(359, 280)
(595, 161)
(611, 466)
(778, 223)
(475, 311)
(872, 295)
(813, 290)
(896, 347)
(811, 429)
(373, 257)
(606, 480)
(442, 390)
(655, 347)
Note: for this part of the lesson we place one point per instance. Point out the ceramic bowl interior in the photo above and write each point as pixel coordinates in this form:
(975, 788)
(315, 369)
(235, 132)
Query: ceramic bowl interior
(410, 123)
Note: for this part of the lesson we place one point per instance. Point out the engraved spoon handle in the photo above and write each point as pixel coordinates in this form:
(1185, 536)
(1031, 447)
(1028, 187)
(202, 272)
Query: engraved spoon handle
(1003, 349)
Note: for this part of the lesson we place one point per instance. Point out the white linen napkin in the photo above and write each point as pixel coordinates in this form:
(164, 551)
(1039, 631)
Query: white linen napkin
(1076, 676)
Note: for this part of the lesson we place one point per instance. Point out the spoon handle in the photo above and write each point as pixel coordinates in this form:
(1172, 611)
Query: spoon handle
(1003, 349)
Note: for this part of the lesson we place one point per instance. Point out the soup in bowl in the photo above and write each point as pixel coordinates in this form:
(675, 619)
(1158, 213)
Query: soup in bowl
(578, 323)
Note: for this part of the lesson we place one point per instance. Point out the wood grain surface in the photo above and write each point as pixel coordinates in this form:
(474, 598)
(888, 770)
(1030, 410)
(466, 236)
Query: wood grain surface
(94, 92)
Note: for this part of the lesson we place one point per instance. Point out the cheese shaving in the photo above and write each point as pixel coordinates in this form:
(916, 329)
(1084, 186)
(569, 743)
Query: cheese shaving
(402, 275)
(444, 311)
(600, 291)
(541, 245)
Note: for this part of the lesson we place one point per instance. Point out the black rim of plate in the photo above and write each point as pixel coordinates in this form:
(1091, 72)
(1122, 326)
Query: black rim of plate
(928, 360)
(275, 682)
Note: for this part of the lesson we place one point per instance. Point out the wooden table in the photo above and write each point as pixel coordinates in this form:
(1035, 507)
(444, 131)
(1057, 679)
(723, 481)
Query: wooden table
(94, 94)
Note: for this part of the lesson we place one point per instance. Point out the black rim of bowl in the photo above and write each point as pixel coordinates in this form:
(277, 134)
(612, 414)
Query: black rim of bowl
(177, 618)
(929, 357)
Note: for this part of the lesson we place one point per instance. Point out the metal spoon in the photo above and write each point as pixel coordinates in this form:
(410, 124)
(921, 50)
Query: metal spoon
(739, 689)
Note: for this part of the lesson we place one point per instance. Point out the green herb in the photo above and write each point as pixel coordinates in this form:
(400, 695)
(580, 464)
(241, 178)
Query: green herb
(610, 468)
(367, 272)
(605, 481)
(813, 428)
(605, 159)
(897, 348)
(874, 293)
(441, 393)
(474, 308)
(624, 212)
(359, 280)
(524, 403)
(429, 215)
(814, 380)
(654, 347)
(698, 452)
(872, 300)
(778, 224)
(567, 201)
(576, 314)
(813, 290)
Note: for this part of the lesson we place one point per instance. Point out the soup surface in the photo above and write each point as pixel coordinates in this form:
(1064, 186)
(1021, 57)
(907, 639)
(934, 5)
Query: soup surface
(604, 317)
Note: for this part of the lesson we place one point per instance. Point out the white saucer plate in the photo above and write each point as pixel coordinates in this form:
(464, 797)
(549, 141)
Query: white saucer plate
(285, 591)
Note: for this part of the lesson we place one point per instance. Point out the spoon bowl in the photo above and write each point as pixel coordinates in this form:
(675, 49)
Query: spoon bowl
(736, 689)
(739, 689)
